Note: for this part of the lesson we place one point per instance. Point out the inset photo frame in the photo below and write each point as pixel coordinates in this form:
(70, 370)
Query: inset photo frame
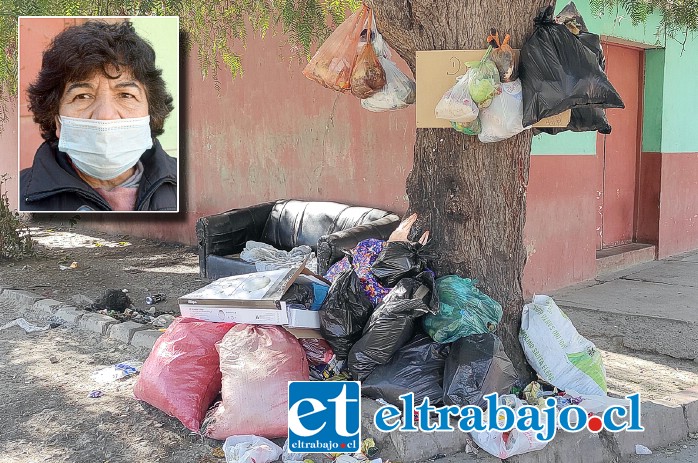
(98, 114)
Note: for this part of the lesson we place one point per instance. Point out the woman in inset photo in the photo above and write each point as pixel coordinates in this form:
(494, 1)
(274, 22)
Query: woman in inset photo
(100, 102)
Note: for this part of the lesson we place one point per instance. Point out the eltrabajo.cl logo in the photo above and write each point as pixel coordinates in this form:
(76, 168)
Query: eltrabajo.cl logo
(324, 416)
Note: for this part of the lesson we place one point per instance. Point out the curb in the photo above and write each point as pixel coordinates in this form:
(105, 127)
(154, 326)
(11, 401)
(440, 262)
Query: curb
(666, 421)
(84, 320)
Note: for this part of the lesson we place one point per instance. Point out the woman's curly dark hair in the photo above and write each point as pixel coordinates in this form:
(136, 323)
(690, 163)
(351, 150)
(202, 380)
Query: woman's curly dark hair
(78, 52)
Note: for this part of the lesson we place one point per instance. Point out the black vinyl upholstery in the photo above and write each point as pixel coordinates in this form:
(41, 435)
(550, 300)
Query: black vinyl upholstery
(327, 227)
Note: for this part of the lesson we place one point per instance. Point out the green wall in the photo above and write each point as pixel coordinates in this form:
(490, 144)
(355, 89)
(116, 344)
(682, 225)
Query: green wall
(670, 99)
(653, 111)
(680, 98)
(163, 35)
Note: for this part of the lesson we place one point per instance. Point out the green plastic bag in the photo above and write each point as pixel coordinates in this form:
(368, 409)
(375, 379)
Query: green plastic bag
(463, 311)
(469, 128)
(483, 80)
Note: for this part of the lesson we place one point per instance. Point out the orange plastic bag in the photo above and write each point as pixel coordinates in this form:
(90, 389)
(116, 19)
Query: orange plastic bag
(368, 76)
(332, 64)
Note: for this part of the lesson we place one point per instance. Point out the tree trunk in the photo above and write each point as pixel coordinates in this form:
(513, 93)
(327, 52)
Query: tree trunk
(471, 195)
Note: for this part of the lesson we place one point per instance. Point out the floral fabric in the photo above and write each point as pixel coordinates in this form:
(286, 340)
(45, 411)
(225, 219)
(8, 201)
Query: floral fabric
(362, 257)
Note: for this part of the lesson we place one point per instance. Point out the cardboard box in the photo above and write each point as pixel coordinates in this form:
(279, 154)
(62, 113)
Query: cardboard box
(437, 72)
(253, 298)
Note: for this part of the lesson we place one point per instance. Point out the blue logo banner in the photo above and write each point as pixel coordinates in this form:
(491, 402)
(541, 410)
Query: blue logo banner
(324, 416)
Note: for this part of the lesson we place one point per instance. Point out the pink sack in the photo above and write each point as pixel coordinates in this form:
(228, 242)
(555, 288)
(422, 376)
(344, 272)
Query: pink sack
(257, 362)
(181, 376)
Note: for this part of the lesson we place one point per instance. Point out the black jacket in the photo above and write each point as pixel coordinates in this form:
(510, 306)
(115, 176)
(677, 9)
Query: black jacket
(51, 184)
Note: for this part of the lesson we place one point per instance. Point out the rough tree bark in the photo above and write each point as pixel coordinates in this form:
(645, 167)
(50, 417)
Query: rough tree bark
(471, 195)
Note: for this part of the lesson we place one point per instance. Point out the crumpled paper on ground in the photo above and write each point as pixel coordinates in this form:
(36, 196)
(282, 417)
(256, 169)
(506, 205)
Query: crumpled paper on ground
(25, 325)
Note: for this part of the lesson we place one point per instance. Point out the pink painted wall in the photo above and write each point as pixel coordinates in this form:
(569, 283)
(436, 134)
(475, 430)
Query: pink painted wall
(8, 154)
(678, 212)
(560, 232)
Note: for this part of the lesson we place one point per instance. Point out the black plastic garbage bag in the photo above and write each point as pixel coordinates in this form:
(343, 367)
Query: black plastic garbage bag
(570, 13)
(476, 366)
(558, 73)
(298, 293)
(401, 259)
(392, 324)
(585, 118)
(344, 313)
(417, 367)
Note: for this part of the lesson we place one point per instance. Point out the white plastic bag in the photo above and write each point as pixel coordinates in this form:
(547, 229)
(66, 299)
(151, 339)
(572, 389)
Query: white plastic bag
(456, 104)
(399, 89)
(502, 119)
(250, 449)
(517, 442)
(287, 457)
(257, 362)
(596, 404)
(557, 352)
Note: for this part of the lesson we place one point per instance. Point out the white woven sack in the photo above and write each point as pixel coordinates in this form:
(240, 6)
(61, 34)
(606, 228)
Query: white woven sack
(557, 352)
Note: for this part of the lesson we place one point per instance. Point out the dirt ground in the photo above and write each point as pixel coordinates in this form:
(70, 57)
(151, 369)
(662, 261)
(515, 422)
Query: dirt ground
(104, 262)
(46, 414)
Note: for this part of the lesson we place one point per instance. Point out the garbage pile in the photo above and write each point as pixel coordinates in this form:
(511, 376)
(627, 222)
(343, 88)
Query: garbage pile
(381, 315)
(117, 304)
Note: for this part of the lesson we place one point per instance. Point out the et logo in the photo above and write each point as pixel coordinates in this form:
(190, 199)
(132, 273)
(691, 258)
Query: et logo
(324, 416)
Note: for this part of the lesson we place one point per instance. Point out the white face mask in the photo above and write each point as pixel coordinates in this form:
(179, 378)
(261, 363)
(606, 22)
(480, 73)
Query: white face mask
(104, 149)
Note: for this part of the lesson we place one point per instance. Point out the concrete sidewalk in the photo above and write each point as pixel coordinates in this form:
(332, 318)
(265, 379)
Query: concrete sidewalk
(651, 307)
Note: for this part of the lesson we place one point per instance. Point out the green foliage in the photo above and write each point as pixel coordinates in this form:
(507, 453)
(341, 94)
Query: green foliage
(679, 17)
(218, 28)
(15, 239)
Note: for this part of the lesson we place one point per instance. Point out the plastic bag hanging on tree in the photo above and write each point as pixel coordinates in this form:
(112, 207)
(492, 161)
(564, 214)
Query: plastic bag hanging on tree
(468, 128)
(399, 89)
(572, 19)
(558, 73)
(332, 64)
(503, 57)
(456, 105)
(584, 118)
(502, 119)
(367, 76)
(483, 80)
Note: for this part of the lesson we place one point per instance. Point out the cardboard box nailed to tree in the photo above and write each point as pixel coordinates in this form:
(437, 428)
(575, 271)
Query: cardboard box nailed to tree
(438, 70)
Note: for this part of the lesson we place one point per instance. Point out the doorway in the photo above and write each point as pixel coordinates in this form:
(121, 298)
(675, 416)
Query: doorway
(618, 153)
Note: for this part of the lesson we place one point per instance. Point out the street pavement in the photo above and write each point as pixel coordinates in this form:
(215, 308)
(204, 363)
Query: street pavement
(683, 452)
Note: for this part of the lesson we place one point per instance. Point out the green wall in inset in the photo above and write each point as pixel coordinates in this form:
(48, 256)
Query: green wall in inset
(163, 35)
